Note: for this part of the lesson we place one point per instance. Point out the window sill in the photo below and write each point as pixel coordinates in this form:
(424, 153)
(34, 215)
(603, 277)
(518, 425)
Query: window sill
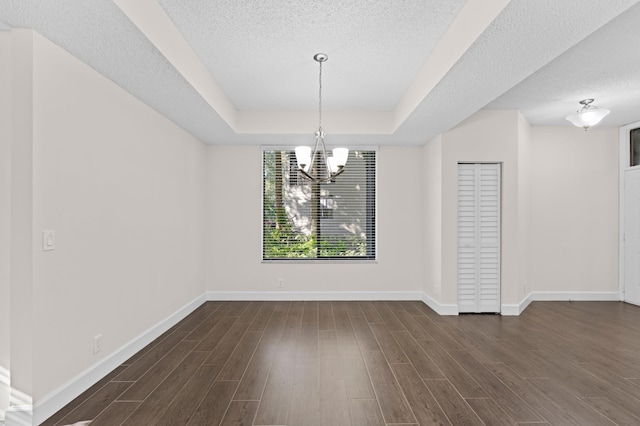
(320, 261)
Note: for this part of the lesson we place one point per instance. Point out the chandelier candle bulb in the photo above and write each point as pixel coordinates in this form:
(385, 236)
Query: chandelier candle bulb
(332, 164)
(303, 157)
(341, 155)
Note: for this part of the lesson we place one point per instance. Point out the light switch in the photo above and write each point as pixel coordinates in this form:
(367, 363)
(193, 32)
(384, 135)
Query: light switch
(48, 240)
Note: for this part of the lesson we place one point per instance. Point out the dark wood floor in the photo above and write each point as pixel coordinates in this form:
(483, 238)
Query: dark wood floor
(377, 363)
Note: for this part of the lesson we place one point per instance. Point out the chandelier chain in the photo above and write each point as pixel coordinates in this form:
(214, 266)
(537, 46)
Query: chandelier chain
(320, 98)
(331, 166)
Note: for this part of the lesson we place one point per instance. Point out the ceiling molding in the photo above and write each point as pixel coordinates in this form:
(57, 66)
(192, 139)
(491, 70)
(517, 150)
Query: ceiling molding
(471, 22)
(153, 22)
(401, 71)
(304, 122)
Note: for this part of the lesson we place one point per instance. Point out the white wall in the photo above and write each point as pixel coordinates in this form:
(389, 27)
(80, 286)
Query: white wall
(487, 136)
(235, 229)
(432, 208)
(21, 267)
(559, 207)
(574, 219)
(524, 211)
(5, 215)
(124, 189)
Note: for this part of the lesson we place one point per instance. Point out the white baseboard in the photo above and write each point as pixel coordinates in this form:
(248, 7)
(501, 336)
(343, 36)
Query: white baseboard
(20, 415)
(20, 408)
(313, 295)
(439, 308)
(60, 397)
(515, 309)
(578, 296)
(559, 296)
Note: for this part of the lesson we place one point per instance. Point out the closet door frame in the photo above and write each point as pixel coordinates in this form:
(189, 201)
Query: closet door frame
(478, 262)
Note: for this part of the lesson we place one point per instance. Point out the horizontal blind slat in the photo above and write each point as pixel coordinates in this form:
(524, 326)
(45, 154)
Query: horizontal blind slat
(302, 220)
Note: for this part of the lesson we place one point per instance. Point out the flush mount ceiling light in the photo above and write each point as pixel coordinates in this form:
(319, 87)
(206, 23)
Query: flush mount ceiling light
(587, 116)
(315, 165)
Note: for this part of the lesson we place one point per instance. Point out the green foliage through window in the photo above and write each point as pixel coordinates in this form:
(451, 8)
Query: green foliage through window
(303, 220)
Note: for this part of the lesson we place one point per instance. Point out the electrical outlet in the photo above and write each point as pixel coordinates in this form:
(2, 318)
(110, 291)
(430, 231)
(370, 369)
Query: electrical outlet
(97, 343)
(280, 283)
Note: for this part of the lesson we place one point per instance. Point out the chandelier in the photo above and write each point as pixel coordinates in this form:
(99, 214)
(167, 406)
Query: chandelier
(587, 116)
(308, 160)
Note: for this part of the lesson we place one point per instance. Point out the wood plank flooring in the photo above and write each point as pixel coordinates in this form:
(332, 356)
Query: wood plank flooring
(377, 363)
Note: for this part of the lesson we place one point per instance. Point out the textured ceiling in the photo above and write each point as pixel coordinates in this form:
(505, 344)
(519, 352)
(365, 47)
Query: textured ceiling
(603, 66)
(400, 71)
(261, 52)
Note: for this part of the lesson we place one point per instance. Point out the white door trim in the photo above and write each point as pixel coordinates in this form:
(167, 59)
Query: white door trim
(624, 154)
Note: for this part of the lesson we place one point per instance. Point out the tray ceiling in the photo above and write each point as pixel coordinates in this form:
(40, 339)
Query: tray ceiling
(399, 71)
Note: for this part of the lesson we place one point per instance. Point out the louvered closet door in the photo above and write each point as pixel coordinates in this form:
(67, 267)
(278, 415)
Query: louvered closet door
(479, 237)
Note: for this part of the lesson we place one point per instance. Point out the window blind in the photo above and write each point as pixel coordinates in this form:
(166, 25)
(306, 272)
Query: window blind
(332, 220)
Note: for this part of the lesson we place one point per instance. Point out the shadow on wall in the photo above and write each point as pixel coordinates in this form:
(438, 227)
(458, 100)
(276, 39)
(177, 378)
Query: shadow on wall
(4, 391)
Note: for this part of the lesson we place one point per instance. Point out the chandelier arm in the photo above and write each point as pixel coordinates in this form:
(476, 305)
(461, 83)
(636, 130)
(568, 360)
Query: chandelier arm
(305, 174)
(324, 151)
(338, 173)
(314, 153)
(316, 179)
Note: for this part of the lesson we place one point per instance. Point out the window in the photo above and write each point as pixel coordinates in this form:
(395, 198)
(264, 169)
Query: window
(326, 206)
(304, 220)
(293, 166)
(635, 147)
